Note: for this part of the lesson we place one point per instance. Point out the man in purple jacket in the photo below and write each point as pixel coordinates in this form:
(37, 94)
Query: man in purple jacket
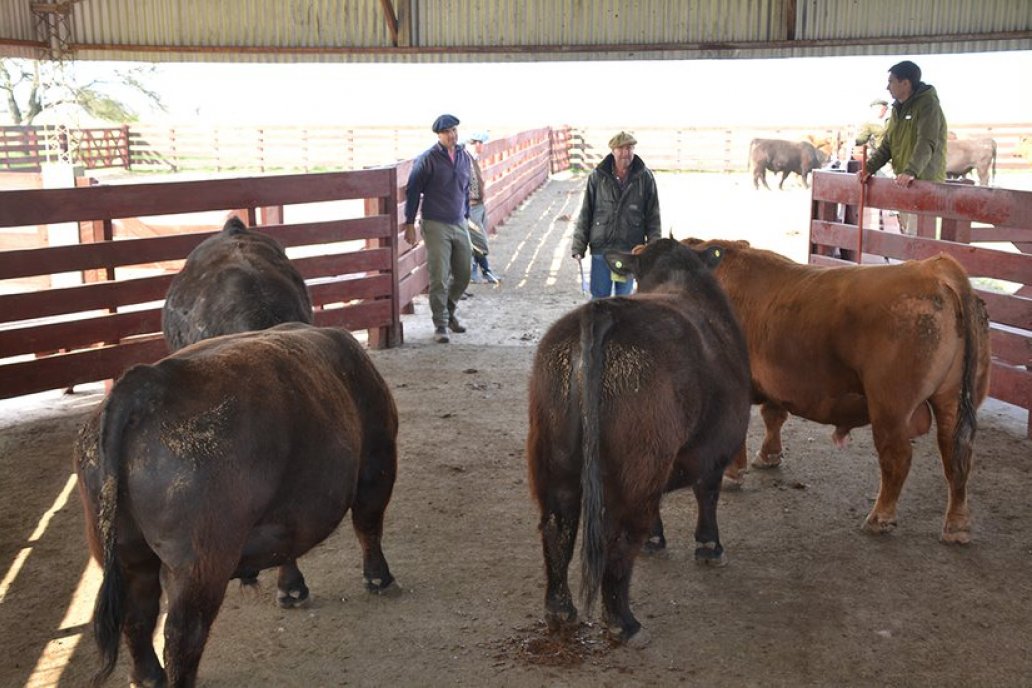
(440, 176)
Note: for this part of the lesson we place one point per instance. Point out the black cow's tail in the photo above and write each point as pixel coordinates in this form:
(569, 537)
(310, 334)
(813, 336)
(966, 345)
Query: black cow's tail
(596, 321)
(973, 323)
(110, 607)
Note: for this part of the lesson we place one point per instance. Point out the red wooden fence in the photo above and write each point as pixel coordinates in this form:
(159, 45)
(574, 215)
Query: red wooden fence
(361, 274)
(968, 216)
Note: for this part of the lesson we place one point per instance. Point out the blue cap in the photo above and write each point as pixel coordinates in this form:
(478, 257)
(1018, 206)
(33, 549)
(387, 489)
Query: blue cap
(445, 122)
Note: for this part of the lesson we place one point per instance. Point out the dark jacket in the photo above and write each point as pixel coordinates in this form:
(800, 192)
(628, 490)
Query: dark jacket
(444, 186)
(611, 219)
(915, 138)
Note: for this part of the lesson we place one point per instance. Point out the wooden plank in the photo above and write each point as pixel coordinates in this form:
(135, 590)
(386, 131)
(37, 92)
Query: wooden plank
(1011, 346)
(76, 257)
(1015, 311)
(86, 297)
(344, 263)
(350, 289)
(977, 261)
(1011, 384)
(360, 316)
(77, 334)
(92, 365)
(135, 200)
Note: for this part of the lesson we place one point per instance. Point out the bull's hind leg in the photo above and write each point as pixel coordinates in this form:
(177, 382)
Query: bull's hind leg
(375, 484)
(195, 592)
(560, 518)
(143, 603)
(708, 549)
(771, 452)
(291, 590)
(616, 585)
(956, 466)
(892, 441)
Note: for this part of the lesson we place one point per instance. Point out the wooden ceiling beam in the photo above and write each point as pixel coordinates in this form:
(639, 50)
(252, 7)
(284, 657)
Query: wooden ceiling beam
(392, 20)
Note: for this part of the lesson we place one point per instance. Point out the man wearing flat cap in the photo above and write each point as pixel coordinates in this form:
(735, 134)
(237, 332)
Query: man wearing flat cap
(440, 178)
(870, 133)
(620, 210)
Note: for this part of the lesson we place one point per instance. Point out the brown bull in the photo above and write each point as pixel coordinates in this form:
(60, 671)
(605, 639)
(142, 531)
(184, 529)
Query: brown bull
(631, 397)
(234, 455)
(888, 345)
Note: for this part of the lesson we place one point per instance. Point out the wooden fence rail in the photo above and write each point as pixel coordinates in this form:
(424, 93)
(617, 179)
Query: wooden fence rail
(333, 148)
(967, 215)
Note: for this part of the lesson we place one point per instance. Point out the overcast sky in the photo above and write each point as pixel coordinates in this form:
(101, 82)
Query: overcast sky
(973, 88)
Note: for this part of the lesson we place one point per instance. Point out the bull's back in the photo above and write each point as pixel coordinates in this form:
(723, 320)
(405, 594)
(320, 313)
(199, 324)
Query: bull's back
(659, 368)
(265, 427)
(818, 335)
(233, 282)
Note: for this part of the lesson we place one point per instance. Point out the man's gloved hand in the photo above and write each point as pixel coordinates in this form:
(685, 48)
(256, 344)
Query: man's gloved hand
(411, 235)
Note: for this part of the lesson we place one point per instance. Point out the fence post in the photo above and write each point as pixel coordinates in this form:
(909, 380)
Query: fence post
(127, 160)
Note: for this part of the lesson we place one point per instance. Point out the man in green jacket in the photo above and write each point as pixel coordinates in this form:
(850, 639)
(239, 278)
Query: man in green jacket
(915, 138)
(620, 210)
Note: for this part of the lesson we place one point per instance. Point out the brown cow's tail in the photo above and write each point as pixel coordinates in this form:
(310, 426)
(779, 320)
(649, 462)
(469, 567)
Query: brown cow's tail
(596, 321)
(973, 324)
(110, 607)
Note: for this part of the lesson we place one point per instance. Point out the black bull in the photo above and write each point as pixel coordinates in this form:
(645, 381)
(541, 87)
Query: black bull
(978, 155)
(781, 156)
(235, 281)
(233, 455)
(631, 397)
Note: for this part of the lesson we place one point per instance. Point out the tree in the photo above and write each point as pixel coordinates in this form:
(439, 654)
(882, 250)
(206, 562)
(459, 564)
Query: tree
(31, 87)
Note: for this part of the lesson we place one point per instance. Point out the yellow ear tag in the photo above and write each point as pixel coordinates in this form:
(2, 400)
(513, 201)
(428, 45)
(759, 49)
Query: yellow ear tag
(716, 253)
(615, 276)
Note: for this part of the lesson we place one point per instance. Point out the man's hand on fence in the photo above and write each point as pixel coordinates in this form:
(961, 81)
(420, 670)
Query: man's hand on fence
(411, 235)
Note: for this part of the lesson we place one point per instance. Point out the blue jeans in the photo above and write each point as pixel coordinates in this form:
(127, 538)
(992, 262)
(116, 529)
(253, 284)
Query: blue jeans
(602, 284)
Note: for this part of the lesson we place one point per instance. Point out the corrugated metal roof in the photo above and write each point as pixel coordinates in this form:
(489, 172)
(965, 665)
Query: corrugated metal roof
(511, 30)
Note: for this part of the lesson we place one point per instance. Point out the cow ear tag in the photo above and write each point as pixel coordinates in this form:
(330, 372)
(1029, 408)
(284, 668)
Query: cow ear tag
(615, 276)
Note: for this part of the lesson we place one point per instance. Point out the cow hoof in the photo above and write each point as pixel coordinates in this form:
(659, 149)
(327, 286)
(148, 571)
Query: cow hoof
(956, 535)
(380, 586)
(639, 640)
(561, 620)
(654, 545)
(876, 526)
(734, 482)
(710, 554)
(630, 633)
(768, 460)
(291, 599)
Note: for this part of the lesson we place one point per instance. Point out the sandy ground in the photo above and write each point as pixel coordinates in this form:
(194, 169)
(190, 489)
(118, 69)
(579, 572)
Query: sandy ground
(807, 599)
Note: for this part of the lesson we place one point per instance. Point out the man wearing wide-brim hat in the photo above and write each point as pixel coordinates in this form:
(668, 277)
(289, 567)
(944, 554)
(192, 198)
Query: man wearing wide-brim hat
(620, 210)
(440, 179)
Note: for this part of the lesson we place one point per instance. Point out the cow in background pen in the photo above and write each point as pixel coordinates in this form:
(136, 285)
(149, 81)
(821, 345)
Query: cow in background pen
(631, 397)
(782, 157)
(977, 154)
(236, 281)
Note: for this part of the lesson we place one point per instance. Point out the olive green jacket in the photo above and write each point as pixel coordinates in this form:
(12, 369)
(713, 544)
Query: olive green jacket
(915, 138)
(870, 133)
(614, 219)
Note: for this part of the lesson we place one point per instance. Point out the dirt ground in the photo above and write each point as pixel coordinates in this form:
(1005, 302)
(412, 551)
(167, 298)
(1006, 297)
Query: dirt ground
(806, 600)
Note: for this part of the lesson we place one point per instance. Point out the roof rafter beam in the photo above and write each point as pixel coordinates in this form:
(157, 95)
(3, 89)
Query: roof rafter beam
(616, 48)
(392, 20)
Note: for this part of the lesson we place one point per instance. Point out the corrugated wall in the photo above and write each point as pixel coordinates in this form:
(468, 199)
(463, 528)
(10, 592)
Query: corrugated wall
(523, 30)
